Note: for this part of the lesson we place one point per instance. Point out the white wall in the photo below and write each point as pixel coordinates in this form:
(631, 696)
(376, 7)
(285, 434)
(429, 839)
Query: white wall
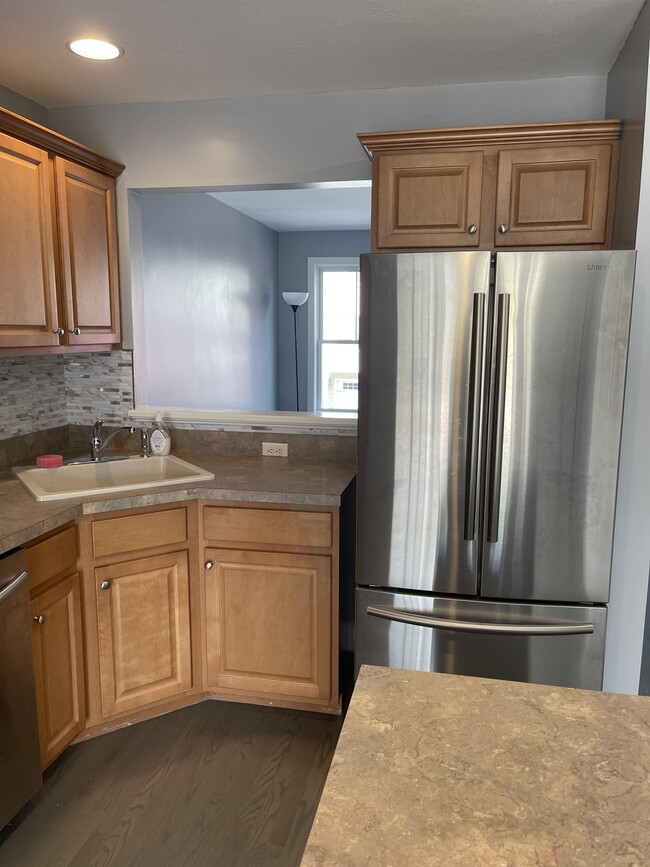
(297, 138)
(627, 96)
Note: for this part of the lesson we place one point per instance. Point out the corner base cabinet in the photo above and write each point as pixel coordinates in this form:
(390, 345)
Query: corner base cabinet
(143, 615)
(269, 623)
(271, 604)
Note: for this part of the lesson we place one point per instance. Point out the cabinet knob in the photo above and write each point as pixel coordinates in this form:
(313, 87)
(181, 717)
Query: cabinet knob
(209, 564)
(75, 330)
(473, 229)
(40, 619)
(105, 585)
(503, 228)
(60, 331)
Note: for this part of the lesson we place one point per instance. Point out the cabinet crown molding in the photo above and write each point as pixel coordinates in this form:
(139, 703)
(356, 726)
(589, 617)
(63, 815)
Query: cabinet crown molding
(598, 131)
(46, 139)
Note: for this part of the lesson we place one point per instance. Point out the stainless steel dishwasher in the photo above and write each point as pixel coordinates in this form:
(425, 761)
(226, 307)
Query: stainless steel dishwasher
(20, 768)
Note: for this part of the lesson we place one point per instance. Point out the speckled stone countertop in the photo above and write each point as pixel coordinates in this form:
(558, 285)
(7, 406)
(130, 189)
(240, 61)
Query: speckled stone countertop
(435, 769)
(243, 477)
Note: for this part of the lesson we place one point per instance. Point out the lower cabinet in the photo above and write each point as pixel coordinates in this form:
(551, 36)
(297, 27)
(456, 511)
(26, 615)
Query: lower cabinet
(143, 611)
(58, 663)
(269, 624)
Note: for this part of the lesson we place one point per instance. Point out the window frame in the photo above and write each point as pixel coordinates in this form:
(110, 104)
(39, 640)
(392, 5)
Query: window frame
(316, 265)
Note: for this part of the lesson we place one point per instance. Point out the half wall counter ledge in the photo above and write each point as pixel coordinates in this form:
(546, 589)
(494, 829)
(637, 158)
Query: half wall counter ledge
(449, 771)
(251, 421)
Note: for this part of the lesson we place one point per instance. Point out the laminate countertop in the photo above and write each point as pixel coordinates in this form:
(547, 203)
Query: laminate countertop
(437, 769)
(245, 478)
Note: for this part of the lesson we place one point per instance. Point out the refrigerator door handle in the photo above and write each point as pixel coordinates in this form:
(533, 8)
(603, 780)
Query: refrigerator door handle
(476, 626)
(498, 417)
(474, 415)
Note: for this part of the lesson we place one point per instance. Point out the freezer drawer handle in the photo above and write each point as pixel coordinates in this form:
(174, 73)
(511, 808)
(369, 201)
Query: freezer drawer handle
(471, 626)
(14, 584)
(476, 367)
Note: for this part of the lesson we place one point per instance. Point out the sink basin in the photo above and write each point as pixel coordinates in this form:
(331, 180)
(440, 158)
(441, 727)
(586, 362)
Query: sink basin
(85, 480)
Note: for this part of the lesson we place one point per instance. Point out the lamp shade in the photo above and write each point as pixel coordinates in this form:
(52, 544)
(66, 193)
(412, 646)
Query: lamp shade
(295, 299)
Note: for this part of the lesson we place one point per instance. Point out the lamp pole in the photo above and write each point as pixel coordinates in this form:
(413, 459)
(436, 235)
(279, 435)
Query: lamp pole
(294, 307)
(294, 300)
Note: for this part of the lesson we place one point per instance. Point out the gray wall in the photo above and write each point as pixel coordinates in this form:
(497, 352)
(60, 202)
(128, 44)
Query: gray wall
(296, 138)
(627, 98)
(209, 305)
(21, 105)
(294, 250)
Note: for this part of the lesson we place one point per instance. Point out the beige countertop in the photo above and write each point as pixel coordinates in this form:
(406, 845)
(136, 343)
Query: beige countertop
(247, 478)
(435, 769)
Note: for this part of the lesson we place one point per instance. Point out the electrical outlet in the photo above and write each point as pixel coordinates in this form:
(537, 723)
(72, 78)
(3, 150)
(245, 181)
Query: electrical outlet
(275, 450)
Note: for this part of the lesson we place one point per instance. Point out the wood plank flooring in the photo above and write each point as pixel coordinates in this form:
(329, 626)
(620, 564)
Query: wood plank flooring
(216, 783)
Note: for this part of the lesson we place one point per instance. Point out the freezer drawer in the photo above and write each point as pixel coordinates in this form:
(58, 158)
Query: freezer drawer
(559, 645)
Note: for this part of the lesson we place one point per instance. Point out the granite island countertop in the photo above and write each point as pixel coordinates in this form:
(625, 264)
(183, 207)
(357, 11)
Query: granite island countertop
(436, 769)
(237, 477)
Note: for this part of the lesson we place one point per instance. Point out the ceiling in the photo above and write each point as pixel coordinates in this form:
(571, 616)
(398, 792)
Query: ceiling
(209, 49)
(322, 208)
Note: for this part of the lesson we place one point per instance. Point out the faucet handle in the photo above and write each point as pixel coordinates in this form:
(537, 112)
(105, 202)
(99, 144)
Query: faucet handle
(98, 425)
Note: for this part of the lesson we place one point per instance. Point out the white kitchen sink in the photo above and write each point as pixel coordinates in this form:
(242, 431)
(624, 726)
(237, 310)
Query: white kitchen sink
(108, 477)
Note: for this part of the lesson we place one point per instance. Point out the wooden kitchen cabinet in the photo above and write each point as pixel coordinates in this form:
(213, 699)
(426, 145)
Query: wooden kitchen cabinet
(58, 238)
(429, 200)
(58, 665)
(140, 601)
(143, 614)
(269, 623)
(85, 204)
(530, 185)
(553, 195)
(57, 640)
(271, 605)
(28, 302)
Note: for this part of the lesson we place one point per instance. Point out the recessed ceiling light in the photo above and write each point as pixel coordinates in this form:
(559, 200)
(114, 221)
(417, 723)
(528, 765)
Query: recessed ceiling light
(95, 49)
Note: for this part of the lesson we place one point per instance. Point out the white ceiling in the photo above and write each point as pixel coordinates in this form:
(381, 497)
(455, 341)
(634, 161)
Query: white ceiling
(207, 49)
(330, 207)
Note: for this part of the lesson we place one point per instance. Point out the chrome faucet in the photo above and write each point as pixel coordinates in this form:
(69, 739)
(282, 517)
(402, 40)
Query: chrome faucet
(97, 445)
(145, 450)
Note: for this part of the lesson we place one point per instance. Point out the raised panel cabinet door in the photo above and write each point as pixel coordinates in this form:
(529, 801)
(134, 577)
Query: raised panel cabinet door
(143, 611)
(428, 199)
(269, 624)
(58, 663)
(28, 309)
(88, 247)
(553, 195)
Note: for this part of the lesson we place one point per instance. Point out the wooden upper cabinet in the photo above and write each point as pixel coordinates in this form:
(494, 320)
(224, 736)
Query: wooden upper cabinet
(554, 195)
(428, 200)
(28, 308)
(88, 235)
(58, 240)
(529, 185)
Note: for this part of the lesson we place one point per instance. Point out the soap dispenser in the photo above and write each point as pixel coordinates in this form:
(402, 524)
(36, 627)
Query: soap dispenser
(160, 439)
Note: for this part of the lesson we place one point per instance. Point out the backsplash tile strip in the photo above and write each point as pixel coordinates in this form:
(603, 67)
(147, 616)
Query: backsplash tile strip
(42, 392)
(32, 394)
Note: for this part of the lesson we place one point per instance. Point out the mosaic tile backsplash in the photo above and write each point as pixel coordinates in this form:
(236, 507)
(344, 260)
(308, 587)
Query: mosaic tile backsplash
(41, 392)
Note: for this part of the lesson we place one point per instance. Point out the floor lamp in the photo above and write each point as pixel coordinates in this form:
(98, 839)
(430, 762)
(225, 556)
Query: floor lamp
(294, 300)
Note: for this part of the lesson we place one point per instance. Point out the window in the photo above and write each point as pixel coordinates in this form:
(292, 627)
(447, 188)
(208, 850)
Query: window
(334, 335)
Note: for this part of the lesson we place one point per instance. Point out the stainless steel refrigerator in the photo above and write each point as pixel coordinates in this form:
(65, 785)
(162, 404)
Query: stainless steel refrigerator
(490, 407)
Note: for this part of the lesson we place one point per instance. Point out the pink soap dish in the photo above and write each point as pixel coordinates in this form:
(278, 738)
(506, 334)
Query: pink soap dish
(49, 461)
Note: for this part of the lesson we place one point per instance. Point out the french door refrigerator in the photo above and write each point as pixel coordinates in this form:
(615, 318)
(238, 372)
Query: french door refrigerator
(490, 407)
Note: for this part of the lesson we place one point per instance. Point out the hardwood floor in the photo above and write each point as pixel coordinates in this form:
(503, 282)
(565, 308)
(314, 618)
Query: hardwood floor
(216, 783)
